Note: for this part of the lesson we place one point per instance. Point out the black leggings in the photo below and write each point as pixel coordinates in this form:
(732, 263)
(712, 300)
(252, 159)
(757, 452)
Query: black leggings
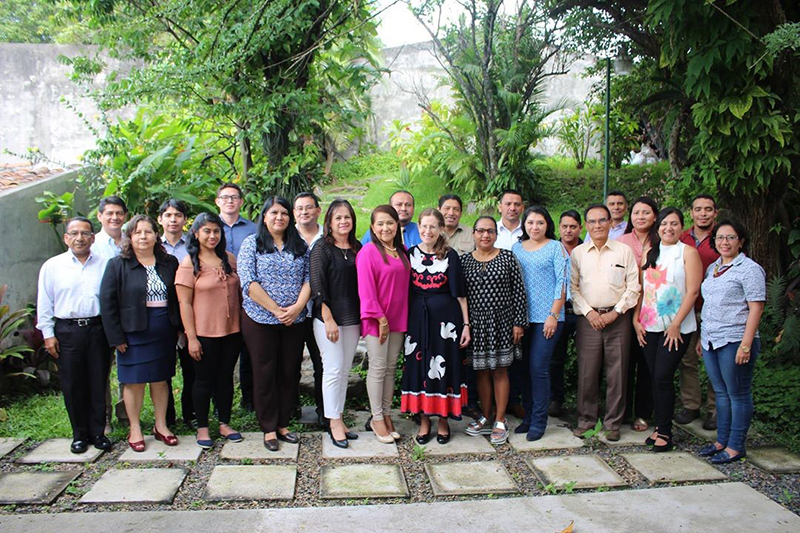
(662, 365)
(214, 377)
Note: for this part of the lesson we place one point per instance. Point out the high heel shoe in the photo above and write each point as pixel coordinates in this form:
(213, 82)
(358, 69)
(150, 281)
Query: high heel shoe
(368, 424)
(423, 439)
(338, 443)
(660, 448)
(137, 446)
(168, 440)
(351, 435)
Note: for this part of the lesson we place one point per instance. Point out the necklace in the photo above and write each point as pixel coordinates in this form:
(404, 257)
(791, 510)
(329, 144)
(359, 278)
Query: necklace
(387, 248)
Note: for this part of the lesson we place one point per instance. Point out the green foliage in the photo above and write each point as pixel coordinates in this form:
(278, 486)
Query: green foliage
(784, 37)
(419, 452)
(578, 133)
(39, 21)
(10, 322)
(57, 209)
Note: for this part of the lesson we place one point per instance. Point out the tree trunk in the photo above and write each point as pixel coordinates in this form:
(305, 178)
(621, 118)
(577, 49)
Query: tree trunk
(759, 213)
(675, 163)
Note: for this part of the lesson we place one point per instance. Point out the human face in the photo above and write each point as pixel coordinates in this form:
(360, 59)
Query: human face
(569, 229)
(485, 235)
(670, 229)
(172, 221)
(536, 227)
(276, 219)
(385, 228)
(229, 202)
(727, 242)
(79, 238)
(510, 208)
(643, 217)
(429, 230)
(704, 213)
(112, 218)
(403, 203)
(618, 206)
(341, 222)
(208, 236)
(598, 224)
(451, 211)
(143, 238)
(305, 212)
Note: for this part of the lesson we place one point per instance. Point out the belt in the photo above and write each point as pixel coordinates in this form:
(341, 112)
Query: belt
(604, 310)
(82, 322)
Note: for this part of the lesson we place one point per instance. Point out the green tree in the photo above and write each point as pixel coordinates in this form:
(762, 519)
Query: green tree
(42, 21)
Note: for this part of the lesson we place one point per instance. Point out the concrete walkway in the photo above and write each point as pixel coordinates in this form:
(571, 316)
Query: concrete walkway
(729, 507)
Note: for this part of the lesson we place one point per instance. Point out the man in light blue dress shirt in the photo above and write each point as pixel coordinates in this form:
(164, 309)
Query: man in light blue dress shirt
(112, 213)
(403, 203)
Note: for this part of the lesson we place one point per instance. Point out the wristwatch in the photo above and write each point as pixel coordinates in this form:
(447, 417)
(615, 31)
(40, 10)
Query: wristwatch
(745, 349)
(554, 315)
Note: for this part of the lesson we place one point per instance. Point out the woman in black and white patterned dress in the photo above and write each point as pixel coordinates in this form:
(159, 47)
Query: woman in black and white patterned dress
(496, 296)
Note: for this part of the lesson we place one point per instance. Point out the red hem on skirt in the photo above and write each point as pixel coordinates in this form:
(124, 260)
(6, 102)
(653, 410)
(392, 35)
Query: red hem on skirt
(436, 405)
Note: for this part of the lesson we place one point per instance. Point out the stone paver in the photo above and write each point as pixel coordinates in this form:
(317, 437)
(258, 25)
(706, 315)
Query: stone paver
(695, 427)
(404, 426)
(57, 451)
(186, 450)
(8, 445)
(366, 446)
(587, 471)
(480, 477)
(555, 438)
(460, 444)
(672, 466)
(363, 481)
(273, 482)
(775, 460)
(627, 437)
(136, 485)
(252, 447)
(34, 487)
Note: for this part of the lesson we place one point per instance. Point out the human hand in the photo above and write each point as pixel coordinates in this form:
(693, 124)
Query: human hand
(383, 329)
(332, 330)
(640, 332)
(287, 315)
(122, 348)
(741, 357)
(466, 336)
(549, 328)
(609, 317)
(195, 349)
(596, 320)
(518, 332)
(52, 347)
(672, 337)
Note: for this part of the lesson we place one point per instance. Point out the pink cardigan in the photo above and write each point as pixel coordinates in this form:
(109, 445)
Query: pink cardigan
(383, 290)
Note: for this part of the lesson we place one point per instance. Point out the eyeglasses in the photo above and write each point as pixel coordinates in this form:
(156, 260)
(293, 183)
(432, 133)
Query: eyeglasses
(599, 221)
(487, 231)
(75, 234)
(729, 238)
(230, 197)
(304, 208)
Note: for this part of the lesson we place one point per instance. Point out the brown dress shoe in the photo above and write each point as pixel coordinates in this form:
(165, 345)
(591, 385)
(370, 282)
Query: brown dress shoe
(613, 435)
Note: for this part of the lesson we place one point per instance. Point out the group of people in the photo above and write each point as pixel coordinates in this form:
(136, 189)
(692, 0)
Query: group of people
(482, 316)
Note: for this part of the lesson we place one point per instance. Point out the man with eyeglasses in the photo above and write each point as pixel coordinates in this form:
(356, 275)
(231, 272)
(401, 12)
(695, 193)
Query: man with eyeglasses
(68, 309)
(704, 216)
(604, 287)
(229, 201)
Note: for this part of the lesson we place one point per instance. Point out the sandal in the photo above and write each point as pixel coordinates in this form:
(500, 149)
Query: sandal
(500, 432)
(479, 427)
(640, 424)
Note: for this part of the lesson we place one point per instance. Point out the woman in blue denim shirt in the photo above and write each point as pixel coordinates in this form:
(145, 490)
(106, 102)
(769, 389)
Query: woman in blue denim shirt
(734, 291)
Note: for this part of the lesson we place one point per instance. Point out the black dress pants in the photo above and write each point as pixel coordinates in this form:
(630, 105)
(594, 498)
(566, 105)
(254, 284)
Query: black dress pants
(662, 364)
(187, 404)
(214, 376)
(83, 365)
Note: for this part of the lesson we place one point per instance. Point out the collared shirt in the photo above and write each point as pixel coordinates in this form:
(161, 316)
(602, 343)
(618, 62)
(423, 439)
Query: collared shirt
(461, 241)
(179, 250)
(104, 245)
(725, 310)
(506, 238)
(606, 277)
(68, 289)
(410, 235)
(236, 234)
(707, 254)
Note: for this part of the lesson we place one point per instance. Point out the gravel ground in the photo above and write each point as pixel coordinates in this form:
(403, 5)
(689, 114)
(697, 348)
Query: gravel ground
(782, 488)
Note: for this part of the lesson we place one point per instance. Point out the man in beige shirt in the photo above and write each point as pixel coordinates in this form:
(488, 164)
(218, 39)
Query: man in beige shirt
(605, 287)
(459, 236)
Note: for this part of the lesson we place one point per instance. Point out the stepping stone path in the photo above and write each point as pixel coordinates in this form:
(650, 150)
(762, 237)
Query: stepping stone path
(555, 438)
(460, 444)
(57, 451)
(273, 482)
(695, 427)
(366, 446)
(34, 487)
(672, 466)
(775, 460)
(363, 481)
(585, 471)
(628, 437)
(8, 445)
(252, 447)
(186, 450)
(480, 477)
(136, 485)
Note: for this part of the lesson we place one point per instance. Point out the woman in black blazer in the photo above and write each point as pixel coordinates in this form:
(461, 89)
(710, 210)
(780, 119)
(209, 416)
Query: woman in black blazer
(141, 319)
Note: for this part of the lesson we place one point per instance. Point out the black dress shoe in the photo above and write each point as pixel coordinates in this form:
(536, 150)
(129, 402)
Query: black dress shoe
(667, 447)
(79, 446)
(338, 443)
(442, 439)
(522, 428)
(290, 437)
(368, 424)
(271, 445)
(351, 435)
(101, 442)
(423, 439)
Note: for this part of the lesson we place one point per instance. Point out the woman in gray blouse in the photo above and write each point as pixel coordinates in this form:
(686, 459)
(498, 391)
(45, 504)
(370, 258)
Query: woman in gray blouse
(734, 291)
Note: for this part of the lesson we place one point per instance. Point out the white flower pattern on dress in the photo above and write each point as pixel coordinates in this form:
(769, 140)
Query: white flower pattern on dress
(448, 331)
(437, 369)
(409, 346)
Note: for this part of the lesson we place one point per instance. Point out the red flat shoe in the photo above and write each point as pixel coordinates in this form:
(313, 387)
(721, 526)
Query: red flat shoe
(136, 446)
(169, 440)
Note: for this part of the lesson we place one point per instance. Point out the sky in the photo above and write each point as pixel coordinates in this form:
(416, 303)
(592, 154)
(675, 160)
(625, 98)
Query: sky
(398, 26)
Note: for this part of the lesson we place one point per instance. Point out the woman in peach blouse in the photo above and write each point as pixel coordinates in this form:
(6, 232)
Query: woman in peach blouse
(210, 303)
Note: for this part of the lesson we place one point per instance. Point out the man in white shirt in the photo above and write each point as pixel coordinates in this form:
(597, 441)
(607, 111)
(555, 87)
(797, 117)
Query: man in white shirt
(68, 308)
(509, 230)
(306, 215)
(111, 213)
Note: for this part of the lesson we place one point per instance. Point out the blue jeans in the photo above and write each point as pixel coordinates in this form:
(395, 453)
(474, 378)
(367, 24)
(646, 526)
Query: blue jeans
(731, 384)
(537, 388)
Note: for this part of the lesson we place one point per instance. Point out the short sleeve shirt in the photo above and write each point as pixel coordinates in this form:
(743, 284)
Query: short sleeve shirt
(212, 286)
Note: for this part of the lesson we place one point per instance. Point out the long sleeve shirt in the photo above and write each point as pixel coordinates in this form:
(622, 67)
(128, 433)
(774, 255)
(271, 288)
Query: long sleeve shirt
(334, 282)
(602, 278)
(382, 290)
(104, 245)
(68, 289)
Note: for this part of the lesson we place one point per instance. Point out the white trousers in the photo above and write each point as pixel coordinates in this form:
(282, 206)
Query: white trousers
(337, 358)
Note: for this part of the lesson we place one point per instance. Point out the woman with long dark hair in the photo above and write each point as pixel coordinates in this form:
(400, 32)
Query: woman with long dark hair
(274, 273)
(545, 267)
(641, 235)
(141, 319)
(664, 318)
(210, 300)
(336, 311)
(383, 278)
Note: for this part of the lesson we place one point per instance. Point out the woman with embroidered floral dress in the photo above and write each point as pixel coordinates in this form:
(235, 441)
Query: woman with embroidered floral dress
(664, 319)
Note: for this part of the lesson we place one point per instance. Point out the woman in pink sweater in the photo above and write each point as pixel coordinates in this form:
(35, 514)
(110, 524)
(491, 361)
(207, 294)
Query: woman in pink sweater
(383, 278)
